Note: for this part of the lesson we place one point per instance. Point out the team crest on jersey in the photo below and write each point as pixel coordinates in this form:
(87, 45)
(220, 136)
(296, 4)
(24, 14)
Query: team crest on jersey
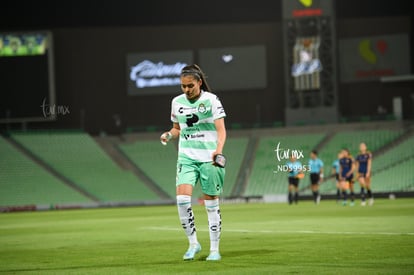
(202, 108)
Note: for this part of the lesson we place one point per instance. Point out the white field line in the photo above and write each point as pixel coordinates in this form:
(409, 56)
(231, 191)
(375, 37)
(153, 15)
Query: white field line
(289, 232)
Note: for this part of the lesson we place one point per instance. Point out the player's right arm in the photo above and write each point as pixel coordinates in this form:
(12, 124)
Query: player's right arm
(173, 133)
(175, 130)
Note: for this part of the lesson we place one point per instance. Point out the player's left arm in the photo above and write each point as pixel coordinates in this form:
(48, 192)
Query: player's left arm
(369, 167)
(221, 135)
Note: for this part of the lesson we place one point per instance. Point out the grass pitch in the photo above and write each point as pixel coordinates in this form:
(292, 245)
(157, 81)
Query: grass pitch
(256, 239)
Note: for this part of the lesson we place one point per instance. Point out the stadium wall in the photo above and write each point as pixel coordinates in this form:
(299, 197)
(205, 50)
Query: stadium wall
(90, 66)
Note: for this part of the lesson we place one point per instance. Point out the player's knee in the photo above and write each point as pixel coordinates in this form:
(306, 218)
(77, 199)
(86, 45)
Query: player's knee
(184, 189)
(210, 197)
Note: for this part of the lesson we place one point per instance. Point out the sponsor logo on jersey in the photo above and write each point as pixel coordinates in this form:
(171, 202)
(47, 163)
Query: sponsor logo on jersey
(182, 110)
(193, 136)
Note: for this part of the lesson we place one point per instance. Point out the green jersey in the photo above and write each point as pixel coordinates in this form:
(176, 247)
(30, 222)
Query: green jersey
(198, 137)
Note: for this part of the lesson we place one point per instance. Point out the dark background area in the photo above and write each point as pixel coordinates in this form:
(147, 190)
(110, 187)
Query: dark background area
(104, 13)
(92, 39)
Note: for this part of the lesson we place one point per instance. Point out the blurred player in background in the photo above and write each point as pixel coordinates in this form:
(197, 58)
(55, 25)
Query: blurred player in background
(295, 174)
(363, 163)
(316, 174)
(346, 176)
(198, 121)
(335, 172)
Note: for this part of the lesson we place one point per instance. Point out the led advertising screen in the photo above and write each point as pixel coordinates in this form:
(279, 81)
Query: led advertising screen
(307, 67)
(23, 44)
(235, 68)
(26, 73)
(371, 57)
(155, 73)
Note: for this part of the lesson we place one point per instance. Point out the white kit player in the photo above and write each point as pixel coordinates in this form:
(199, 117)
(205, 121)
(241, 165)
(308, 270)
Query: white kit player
(198, 121)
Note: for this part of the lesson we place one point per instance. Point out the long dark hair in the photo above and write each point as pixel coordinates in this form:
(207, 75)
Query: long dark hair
(198, 74)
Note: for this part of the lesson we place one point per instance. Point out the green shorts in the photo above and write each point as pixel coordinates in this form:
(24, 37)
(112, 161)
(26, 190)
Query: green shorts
(211, 177)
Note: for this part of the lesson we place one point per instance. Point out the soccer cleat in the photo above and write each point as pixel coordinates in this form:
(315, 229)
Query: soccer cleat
(344, 203)
(318, 199)
(352, 203)
(192, 250)
(214, 256)
(371, 202)
(363, 203)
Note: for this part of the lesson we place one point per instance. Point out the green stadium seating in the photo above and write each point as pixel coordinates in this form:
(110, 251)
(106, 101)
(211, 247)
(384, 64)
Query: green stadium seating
(158, 162)
(392, 171)
(23, 182)
(396, 154)
(79, 158)
(397, 178)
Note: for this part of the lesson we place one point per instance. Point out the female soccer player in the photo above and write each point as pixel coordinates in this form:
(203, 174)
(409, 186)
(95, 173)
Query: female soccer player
(364, 162)
(295, 172)
(316, 174)
(198, 121)
(346, 175)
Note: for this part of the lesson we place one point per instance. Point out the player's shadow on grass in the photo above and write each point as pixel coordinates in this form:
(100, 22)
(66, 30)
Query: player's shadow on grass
(240, 253)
